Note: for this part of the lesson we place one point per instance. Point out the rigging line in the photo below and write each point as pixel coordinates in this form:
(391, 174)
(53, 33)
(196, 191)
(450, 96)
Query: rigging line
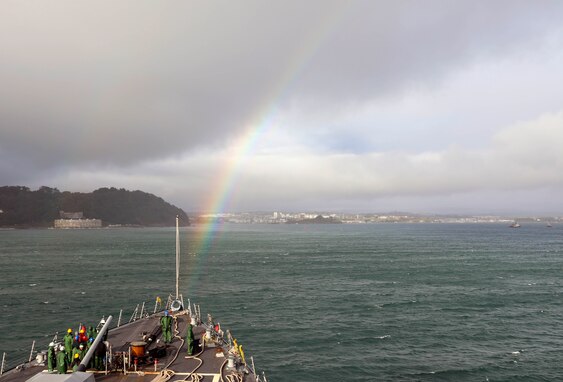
(176, 332)
(196, 357)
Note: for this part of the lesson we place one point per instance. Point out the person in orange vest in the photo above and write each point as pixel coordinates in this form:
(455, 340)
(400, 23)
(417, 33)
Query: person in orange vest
(82, 336)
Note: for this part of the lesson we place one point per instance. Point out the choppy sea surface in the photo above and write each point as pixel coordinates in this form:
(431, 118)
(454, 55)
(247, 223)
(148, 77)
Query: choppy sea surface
(374, 302)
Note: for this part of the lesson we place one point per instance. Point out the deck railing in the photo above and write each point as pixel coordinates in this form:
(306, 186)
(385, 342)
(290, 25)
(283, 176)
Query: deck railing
(18, 358)
(23, 358)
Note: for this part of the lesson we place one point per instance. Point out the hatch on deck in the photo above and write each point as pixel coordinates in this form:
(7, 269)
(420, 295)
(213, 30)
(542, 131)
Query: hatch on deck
(77, 376)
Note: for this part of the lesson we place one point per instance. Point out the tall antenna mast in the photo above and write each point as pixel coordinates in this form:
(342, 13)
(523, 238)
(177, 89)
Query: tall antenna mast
(177, 257)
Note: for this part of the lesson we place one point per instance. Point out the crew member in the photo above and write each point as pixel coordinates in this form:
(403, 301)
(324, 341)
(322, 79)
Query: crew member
(166, 324)
(91, 333)
(78, 351)
(99, 355)
(75, 362)
(82, 337)
(68, 339)
(62, 360)
(51, 357)
(190, 340)
(100, 326)
(76, 340)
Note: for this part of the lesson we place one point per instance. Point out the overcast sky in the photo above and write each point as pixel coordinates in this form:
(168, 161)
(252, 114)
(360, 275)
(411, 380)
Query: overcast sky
(360, 106)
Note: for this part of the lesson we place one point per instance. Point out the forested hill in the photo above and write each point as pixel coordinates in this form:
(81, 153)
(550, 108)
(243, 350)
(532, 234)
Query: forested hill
(22, 207)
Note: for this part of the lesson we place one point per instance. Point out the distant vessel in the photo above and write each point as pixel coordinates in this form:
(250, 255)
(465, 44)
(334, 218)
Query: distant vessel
(135, 351)
(548, 225)
(515, 225)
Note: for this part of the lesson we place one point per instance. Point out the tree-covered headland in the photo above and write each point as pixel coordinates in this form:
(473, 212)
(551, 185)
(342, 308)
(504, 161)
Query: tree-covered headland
(21, 207)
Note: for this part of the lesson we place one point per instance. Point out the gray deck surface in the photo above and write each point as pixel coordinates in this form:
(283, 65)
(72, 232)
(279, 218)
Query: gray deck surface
(209, 364)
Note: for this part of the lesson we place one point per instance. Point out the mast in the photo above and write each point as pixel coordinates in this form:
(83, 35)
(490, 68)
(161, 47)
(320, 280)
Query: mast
(177, 257)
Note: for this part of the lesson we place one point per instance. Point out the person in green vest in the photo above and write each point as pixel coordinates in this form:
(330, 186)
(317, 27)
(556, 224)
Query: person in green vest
(166, 324)
(62, 360)
(51, 357)
(91, 332)
(190, 340)
(99, 355)
(68, 339)
(83, 351)
(75, 362)
(80, 352)
(88, 346)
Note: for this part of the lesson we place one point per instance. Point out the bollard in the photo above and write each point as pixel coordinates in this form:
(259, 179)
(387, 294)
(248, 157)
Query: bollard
(40, 358)
(231, 362)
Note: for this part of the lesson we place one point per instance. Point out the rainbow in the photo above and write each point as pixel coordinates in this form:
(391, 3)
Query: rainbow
(259, 123)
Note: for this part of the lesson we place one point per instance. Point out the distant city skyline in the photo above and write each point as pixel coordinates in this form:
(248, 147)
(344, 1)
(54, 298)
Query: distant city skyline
(312, 214)
(431, 107)
(367, 218)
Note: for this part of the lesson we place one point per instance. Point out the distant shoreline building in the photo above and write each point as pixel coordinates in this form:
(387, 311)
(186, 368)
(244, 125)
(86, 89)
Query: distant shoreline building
(76, 220)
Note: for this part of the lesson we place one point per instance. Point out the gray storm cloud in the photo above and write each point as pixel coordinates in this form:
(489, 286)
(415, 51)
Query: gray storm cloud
(147, 80)
(320, 180)
(99, 87)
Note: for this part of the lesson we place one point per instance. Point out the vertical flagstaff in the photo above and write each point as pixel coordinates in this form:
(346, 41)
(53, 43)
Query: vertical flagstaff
(177, 256)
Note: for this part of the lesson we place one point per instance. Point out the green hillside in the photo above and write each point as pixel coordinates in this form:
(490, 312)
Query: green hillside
(22, 207)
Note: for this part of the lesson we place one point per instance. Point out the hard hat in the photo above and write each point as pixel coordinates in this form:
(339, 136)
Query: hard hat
(61, 348)
(91, 339)
(76, 355)
(81, 330)
(51, 344)
(102, 321)
(69, 330)
(166, 313)
(81, 345)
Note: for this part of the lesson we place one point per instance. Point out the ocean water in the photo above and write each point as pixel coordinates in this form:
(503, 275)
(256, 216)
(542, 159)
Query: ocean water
(378, 302)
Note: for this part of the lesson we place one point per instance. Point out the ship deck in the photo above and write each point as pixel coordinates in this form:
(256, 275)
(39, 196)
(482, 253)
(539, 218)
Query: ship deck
(208, 364)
